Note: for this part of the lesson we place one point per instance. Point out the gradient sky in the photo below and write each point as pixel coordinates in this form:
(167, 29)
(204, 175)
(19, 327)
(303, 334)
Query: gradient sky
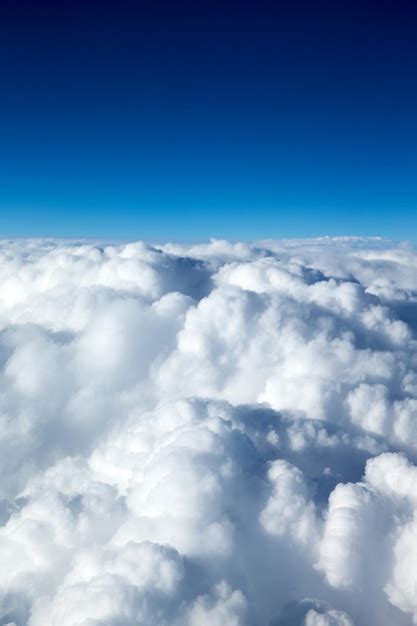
(196, 119)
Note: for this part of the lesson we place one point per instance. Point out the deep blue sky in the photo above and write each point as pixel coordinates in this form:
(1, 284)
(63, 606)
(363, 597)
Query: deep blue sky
(189, 120)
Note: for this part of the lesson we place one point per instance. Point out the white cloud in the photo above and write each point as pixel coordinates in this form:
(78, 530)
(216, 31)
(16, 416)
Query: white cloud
(330, 618)
(211, 434)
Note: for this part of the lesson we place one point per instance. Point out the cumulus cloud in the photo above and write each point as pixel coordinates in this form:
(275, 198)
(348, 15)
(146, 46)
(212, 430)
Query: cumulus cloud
(213, 434)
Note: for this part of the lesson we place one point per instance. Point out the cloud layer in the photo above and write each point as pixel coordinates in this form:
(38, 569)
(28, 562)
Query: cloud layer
(210, 435)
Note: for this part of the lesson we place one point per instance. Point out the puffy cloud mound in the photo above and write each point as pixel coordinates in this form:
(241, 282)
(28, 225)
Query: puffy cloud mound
(222, 434)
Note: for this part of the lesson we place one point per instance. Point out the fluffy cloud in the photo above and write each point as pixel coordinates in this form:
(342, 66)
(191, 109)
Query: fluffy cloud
(219, 434)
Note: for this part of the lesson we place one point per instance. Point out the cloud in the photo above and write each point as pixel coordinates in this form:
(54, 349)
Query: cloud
(210, 434)
(330, 618)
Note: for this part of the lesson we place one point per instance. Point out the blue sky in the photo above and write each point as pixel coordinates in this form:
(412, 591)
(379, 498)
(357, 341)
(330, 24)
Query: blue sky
(177, 121)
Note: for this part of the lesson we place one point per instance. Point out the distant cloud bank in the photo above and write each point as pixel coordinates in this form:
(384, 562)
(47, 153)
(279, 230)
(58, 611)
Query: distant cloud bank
(221, 434)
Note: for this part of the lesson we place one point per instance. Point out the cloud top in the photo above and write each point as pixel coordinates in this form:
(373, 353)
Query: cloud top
(218, 434)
